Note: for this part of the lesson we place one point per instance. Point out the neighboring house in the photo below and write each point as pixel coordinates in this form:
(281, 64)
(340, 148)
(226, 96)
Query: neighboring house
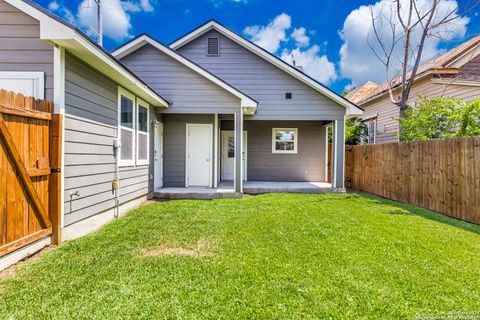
(455, 73)
(211, 108)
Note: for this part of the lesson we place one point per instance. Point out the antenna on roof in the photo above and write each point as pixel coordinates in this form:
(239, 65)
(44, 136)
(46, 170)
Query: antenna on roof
(295, 64)
(99, 22)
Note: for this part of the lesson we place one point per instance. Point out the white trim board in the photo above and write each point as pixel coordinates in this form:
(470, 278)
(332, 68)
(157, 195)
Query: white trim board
(248, 104)
(352, 109)
(38, 78)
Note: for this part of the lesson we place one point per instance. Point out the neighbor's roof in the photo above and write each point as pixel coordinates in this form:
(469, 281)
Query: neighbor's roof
(252, 47)
(144, 39)
(64, 34)
(441, 64)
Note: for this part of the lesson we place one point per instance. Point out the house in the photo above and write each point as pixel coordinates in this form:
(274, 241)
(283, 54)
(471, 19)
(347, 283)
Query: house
(455, 73)
(237, 112)
(211, 111)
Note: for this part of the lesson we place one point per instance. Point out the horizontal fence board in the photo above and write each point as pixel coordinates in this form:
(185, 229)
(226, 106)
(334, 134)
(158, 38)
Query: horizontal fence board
(440, 175)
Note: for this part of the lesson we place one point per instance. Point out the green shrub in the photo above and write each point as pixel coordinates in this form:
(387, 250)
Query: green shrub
(440, 118)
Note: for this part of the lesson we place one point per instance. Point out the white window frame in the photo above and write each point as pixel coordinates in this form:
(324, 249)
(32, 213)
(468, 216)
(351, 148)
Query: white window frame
(38, 78)
(295, 141)
(371, 134)
(141, 103)
(126, 94)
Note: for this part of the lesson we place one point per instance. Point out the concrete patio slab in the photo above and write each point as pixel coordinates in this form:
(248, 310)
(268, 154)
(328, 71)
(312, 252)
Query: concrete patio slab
(226, 190)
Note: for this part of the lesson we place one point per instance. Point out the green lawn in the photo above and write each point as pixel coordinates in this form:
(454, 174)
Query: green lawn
(270, 257)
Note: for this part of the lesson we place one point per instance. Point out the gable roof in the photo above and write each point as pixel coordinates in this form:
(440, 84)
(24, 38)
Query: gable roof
(59, 32)
(252, 47)
(446, 63)
(248, 104)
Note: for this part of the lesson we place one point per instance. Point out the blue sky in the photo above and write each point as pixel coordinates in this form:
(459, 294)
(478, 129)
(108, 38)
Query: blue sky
(327, 37)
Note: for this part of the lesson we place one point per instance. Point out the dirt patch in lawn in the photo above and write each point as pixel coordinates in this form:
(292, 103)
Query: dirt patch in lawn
(202, 248)
(13, 269)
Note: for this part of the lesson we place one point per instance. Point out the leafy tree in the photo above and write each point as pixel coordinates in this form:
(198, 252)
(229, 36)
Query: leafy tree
(470, 123)
(440, 118)
(355, 131)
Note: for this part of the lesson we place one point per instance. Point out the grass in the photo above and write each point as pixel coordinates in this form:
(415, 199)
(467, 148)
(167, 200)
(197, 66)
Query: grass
(270, 257)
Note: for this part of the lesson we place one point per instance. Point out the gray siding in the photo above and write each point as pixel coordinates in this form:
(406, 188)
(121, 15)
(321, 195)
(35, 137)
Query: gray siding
(21, 48)
(263, 165)
(174, 147)
(187, 90)
(90, 127)
(263, 82)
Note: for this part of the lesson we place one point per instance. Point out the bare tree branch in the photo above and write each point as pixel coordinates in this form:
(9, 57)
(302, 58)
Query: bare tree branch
(410, 26)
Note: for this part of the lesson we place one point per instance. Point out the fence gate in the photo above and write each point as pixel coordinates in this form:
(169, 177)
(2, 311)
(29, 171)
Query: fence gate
(30, 148)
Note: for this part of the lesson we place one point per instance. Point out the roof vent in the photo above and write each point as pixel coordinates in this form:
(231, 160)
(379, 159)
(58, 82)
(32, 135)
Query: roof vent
(288, 96)
(213, 46)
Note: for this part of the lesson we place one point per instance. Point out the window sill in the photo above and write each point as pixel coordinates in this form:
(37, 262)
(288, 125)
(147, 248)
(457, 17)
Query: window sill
(285, 152)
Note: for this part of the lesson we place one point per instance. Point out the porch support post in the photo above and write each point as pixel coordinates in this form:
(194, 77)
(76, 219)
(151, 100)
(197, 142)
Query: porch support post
(238, 178)
(215, 151)
(338, 154)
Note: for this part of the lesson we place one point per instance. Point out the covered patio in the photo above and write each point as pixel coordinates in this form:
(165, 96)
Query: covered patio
(226, 189)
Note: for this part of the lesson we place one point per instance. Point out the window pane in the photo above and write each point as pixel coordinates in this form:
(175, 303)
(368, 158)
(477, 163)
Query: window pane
(142, 146)
(142, 119)
(284, 135)
(231, 147)
(284, 145)
(126, 152)
(126, 117)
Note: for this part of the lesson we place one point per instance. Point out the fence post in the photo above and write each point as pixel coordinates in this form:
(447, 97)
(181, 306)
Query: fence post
(55, 181)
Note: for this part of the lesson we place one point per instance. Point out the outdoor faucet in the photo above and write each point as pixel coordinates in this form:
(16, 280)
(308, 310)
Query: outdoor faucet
(76, 193)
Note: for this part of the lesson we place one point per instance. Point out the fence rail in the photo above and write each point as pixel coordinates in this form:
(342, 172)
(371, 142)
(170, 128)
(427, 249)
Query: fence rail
(440, 175)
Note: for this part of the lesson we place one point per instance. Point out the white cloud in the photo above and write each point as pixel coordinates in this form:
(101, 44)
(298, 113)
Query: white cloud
(269, 37)
(62, 10)
(273, 35)
(116, 16)
(315, 65)
(52, 6)
(301, 39)
(146, 5)
(358, 62)
(218, 3)
(116, 20)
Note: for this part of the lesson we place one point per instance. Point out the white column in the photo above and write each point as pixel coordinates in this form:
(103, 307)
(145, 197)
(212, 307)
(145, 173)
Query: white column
(59, 107)
(338, 154)
(215, 151)
(238, 177)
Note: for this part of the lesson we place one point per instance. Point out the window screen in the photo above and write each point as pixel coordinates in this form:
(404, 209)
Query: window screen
(127, 144)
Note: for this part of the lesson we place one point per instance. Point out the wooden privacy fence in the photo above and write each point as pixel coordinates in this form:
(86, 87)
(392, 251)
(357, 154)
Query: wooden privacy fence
(30, 149)
(440, 175)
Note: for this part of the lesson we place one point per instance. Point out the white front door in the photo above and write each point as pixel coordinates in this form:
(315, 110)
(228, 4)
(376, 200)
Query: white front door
(199, 155)
(158, 156)
(228, 155)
